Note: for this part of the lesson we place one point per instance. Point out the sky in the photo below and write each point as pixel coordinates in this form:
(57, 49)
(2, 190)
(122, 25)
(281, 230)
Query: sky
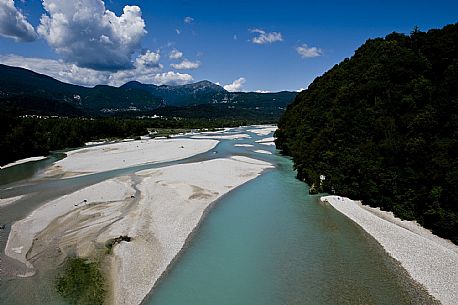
(264, 46)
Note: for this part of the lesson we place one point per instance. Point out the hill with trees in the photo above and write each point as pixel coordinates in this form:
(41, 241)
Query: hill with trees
(382, 127)
(26, 92)
(31, 92)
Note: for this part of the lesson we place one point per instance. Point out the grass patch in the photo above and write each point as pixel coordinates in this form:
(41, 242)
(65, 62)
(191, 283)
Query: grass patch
(81, 282)
(167, 132)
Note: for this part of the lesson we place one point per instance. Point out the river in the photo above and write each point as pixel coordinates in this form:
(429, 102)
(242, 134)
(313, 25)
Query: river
(267, 242)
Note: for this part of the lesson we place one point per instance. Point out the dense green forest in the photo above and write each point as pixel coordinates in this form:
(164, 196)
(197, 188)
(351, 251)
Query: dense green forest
(382, 127)
(22, 137)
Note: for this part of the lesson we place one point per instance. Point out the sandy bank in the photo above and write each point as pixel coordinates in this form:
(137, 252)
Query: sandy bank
(31, 159)
(125, 154)
(268, 143)
(243, 145)
(7, 201)
(261, 151)
(223, 137)
(263, 130)
(266, 140)
(430, 260)
(40, 221)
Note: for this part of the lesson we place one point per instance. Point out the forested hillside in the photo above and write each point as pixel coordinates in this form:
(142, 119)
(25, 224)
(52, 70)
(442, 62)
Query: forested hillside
(30, 92)
(382, 127)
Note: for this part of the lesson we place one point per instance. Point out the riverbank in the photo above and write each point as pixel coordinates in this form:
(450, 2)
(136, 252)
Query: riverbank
(22, 161)
(430, 260)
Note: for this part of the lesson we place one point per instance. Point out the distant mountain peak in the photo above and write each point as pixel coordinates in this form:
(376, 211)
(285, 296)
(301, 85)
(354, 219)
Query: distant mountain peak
(205, 84)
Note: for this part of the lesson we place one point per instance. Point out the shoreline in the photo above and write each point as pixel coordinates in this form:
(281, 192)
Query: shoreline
(429, 260)
(22, 161)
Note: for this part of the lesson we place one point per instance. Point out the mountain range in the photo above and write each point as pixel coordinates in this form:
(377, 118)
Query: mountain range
(26, 92)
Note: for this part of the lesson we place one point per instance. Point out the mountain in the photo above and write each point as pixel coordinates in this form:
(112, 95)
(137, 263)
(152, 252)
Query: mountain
(30, 91)
(382, 127)
(209, 100)
(198, 93)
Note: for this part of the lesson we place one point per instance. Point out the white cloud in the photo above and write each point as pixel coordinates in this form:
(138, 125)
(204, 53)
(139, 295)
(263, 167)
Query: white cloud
(188, 20)
(178, 31)
(186, 65)
(308, 52)
(236, 85)
(263, 91)
(300, 89)
(85, 33)
(148, 60)
(171, 78)
(264, 38)
(57, 69)
(175, 54)
(13, 24)
(147, 70)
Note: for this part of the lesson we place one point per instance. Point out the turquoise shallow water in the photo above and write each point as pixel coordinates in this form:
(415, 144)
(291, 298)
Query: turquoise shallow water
(267, 242)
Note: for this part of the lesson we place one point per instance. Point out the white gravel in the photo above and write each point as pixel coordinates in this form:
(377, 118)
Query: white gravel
(430, 260)
(223, 137)
(7, 201)
(22, 161)
(126, 154)
(243, 145)
(266, 140)
(261, 151)
(264, 130)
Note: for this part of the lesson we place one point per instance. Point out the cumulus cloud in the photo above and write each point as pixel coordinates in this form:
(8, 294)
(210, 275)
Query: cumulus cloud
(175, 54)
(148, 60)
(186, 65)
(57, 69)
(13, 24)
(263, 37)
(188, 20)
(263, 91)
(85, 33)
(236, 85)
(172, 78)
(146, 69)
(308, 52)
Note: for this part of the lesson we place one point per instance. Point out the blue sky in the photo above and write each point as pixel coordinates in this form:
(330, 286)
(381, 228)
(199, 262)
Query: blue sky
(261, 45)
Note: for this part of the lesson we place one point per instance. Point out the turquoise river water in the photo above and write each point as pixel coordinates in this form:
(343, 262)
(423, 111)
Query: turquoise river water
(266, 243)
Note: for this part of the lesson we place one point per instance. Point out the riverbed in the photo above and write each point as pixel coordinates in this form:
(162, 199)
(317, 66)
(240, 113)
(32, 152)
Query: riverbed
(266, 242)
